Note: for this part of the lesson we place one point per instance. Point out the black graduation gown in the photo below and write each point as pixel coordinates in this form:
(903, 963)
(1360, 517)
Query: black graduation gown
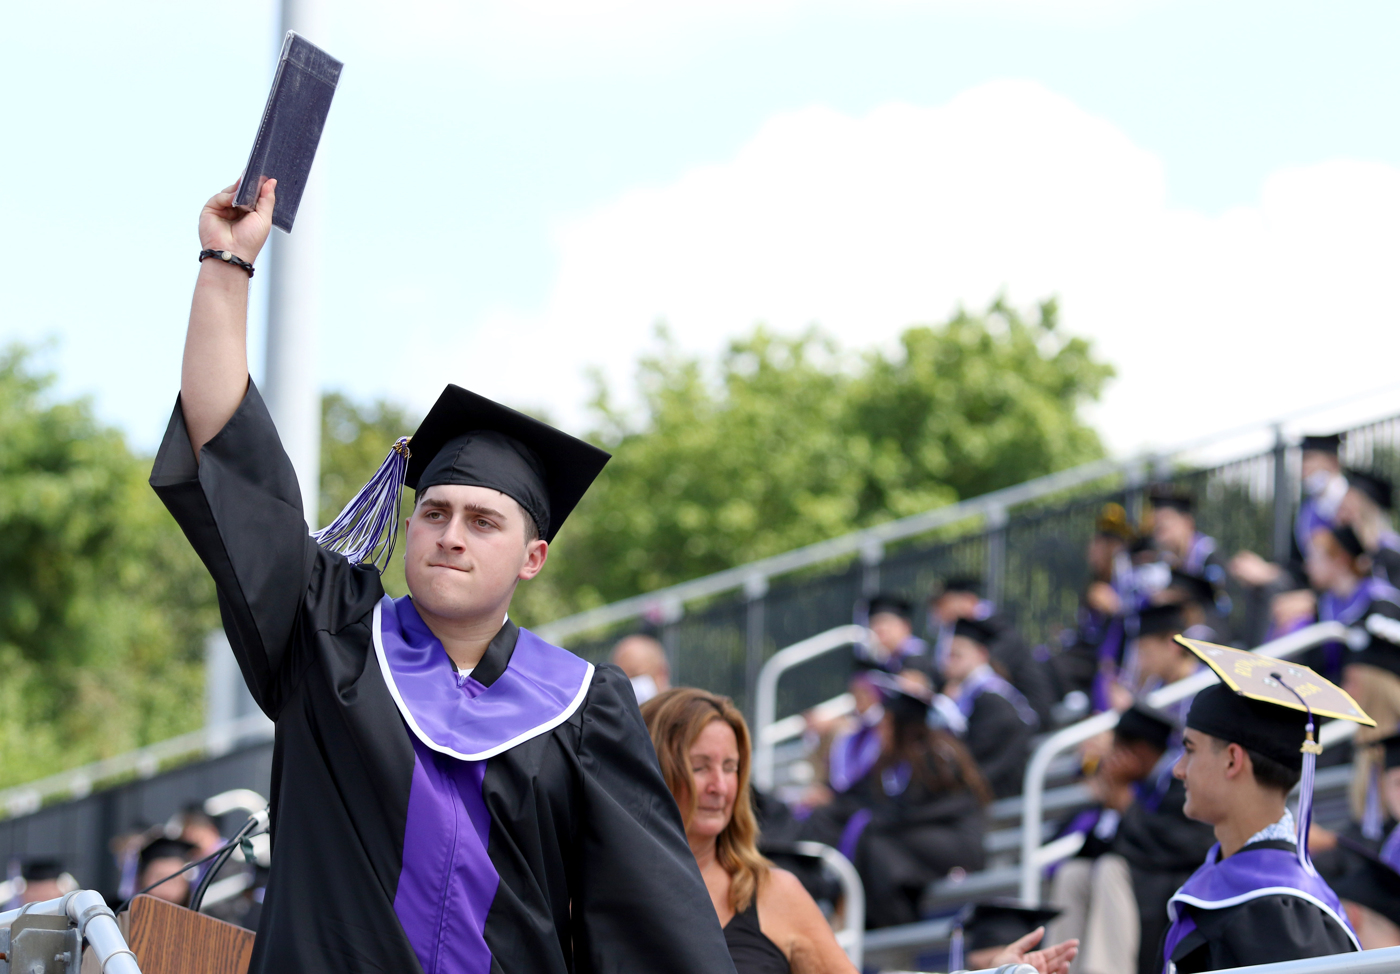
(594, 870)
(1264, 930)
(1023, 671)
(1162, 848)
(999, 741)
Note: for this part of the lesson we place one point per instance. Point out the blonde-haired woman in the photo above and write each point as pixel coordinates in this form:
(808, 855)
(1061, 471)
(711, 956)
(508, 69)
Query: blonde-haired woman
(771, 923)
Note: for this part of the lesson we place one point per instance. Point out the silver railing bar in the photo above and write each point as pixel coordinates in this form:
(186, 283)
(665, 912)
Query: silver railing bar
(766, 696)
(1033, 790)
(851, 936)
(95, 922)
(1382, 960)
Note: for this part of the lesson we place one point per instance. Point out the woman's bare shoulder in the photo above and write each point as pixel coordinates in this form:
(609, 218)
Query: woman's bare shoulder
(790, 918)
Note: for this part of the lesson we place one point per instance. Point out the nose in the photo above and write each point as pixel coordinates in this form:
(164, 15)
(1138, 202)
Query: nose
(1179, 769)
(454, 536)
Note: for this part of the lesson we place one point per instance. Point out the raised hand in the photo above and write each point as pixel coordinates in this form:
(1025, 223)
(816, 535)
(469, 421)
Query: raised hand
(243, 232)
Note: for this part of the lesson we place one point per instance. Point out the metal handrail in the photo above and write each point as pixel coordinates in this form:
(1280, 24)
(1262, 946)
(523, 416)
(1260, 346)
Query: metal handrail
(766, 697)
(1382, 960)
(851, 936)
(142, 763)
(95, 922)
(1033, 791)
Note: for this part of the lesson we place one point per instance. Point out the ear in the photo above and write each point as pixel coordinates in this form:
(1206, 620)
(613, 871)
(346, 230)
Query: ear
(1238, 763)
(535, 554)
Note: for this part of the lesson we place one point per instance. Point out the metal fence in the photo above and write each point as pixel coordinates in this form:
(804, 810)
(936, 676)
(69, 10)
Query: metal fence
(1027, 544)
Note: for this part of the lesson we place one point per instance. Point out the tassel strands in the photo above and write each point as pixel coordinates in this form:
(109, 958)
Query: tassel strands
(1311, 749)
(367, 528)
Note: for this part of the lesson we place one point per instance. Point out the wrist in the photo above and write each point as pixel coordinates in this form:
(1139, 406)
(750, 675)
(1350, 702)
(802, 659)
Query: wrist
(227, 257)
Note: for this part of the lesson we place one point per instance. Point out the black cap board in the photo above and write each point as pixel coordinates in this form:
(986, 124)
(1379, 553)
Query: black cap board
(997, 923)
(468, 439)
(1141, 723)
(976, 630)
(959, 583)
(163, 848)
(1323, 443)
(1392, 751)
(1170, 496)
(1347, 538)
(891, 605)
(39, 869)
(1374, 485)
(906, 703)
(1158, 619)
(1193, 588)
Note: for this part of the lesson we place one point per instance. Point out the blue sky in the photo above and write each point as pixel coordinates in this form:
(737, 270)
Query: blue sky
(537, 182)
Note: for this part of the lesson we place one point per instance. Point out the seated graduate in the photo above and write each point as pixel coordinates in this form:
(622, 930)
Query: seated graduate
(1374, 831)
(1257, 898)
(1366, 509)
(994, 721)
(771, 924)
(1370, 892)
(161, 863)
(912, 814)
(893, 646)
(1094, 889)
(451, 793)
(1156, 659)
(958, 599)
(1093, 650)
(43, 879)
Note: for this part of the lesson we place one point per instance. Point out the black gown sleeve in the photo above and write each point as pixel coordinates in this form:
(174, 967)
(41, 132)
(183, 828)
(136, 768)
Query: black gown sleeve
(999, 741)
(1023, 671)
(1260, 931)
(240, 508)
(639, 903)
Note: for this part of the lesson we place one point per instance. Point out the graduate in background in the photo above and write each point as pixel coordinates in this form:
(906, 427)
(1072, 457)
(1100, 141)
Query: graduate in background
(1257, 898)
(451, 793)
(1366, 509)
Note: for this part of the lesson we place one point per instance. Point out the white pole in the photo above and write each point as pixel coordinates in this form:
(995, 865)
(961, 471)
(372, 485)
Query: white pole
(290, 384)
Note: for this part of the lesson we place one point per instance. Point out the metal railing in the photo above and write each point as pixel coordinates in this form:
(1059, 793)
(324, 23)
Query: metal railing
(141, 763)
(1033, 791)
(766, 702)
(91, 919)
(1382, 960)
(851, 934)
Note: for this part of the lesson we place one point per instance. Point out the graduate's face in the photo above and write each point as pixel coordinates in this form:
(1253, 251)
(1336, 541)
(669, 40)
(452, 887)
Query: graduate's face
(714, 767)
(890, 629)
(1206, 766)
(466, 549)
(1172, 529)
(1159, 655)
(963, 657)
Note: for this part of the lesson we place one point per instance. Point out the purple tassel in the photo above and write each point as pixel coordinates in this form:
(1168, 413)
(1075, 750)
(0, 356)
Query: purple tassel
(370, 522)
(1373, 819)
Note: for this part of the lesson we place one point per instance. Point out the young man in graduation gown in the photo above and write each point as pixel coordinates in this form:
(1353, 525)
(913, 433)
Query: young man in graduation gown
(1257, 898)
(450, 793)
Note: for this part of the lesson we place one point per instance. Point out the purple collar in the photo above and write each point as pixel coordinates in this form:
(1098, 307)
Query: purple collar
(540, 689)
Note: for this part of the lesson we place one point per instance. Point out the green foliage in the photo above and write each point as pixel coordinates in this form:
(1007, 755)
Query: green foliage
(794, 442)
(103, 605)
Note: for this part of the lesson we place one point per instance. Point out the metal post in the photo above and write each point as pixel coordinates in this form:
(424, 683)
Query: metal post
(291, 386)
(872, 552)
(994, 569)
(1283, 499)
(755, 589)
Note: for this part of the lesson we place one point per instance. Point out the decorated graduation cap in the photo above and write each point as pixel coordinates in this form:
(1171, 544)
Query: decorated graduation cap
(468, 440)
(1270, 706)
(890, 605)
(995, 923)
(1113, 522)
(1322, 443)
(1373, 485)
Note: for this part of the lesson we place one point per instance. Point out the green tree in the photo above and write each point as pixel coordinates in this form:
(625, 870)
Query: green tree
(103, 605)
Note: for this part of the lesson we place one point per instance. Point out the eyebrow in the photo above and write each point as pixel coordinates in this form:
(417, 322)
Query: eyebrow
(471, 508)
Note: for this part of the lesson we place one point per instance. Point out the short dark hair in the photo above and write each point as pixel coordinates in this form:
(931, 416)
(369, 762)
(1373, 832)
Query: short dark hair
(1268, 773)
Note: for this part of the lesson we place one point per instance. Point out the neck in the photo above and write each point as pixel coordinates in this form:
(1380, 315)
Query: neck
(703, 848)
(1247, 818)
(1345, 586)
(465, 640)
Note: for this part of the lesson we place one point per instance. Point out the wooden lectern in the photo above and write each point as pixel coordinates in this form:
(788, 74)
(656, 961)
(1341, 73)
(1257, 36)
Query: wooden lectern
(169, 939)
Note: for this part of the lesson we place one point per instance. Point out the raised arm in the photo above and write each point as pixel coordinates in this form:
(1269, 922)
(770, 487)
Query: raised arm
(214, 376)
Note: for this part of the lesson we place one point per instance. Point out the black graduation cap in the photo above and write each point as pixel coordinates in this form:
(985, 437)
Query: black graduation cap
(1347, 538)
(163, 848)
(1392, 751)
(1194, 587)
(959, 583)
(1142, 723)
(469, 440)
(34, 870)
(1371, 883)
(904, 702)
(1374, 485)
(1157, 619)
(1327, 443)
(891, 604)
(975, 629)
(997, 923)
(1173, 497)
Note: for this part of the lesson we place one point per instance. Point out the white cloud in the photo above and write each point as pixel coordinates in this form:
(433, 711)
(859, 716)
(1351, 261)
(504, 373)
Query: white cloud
(866, 225)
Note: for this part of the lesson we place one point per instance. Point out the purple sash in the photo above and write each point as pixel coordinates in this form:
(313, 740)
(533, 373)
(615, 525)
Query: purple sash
(1247, 875)
(540, 689)
(852, 757)
(985, 680)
